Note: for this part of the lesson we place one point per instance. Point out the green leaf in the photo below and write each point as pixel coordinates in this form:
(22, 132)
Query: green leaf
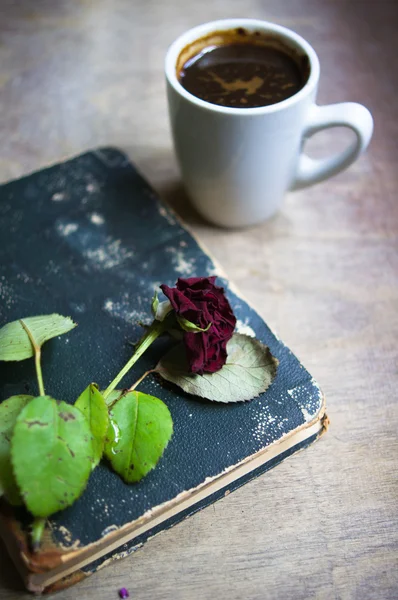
(9, 411)
(112, 397)
(113, 433)
(94, 408)
(160, 310)
(155, 303)
(249, 370)
(15, 343)
(141, 427)
(191, 327)
(52, 455)
(163, 310)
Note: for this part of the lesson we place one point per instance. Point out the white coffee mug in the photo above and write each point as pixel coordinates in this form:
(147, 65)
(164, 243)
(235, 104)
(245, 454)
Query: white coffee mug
(237, 163)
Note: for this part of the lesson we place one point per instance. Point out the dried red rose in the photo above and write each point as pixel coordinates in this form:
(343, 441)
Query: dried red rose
(201, 302)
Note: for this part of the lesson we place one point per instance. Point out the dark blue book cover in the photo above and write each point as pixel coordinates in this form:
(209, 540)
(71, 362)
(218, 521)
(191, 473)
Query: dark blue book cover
(90, 239)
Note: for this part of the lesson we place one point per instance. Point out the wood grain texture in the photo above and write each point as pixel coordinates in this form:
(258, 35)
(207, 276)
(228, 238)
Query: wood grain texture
(323, 273)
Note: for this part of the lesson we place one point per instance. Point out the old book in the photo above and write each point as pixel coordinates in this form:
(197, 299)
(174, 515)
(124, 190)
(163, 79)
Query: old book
(89, 238)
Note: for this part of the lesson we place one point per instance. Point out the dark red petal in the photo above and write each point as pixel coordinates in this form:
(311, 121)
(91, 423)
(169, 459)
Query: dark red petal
(195, 283)
(177, 299)
(200, 301)
(195, 345)
(217, 361)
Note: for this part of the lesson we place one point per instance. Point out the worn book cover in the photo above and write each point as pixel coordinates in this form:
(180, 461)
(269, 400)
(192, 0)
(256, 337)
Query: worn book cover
(89, 238)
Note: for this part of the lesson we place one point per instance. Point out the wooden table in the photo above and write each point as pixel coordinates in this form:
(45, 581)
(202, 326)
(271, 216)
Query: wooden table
(81, 74)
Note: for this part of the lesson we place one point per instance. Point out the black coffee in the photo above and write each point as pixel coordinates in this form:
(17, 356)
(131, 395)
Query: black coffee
(242, 75)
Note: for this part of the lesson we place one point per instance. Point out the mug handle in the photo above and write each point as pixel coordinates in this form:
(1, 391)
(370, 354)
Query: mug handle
(345, 114)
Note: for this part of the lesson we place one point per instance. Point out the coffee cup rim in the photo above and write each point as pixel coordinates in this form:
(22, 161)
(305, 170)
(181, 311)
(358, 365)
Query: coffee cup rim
(200, 31)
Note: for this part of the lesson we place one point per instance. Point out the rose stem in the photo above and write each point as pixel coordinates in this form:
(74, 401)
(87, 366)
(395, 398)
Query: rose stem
(37, 532)
(132, 388)
(37, 351)
(157, 328)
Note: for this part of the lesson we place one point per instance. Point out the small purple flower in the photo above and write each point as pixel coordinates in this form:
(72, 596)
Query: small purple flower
(123, 593)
